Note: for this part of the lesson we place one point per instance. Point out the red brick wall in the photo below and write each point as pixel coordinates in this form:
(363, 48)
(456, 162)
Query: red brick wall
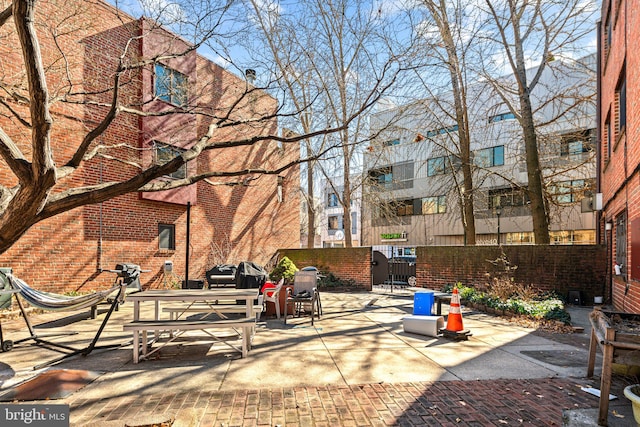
(548, 268)
(620, 172)
(69, 251)
(344, 263)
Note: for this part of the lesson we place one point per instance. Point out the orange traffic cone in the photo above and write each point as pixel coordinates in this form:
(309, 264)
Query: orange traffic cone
(454, 320)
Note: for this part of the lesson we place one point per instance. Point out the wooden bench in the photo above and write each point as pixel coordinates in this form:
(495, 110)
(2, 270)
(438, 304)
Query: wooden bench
(175, 311)
(144, 326)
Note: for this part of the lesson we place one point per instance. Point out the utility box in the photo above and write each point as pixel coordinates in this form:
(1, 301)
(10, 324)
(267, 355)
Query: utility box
(168, 266)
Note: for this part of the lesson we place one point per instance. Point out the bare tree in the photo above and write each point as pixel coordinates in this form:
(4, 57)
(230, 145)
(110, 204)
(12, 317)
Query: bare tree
(528, 36)
(457, 28)
(39, 86)
(343, 55)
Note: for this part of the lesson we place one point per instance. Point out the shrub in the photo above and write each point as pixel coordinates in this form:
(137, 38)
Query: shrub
(284, 269)
(542, 307)
(329, 280)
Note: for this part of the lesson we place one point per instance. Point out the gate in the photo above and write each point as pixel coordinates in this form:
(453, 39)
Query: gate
(398, 271)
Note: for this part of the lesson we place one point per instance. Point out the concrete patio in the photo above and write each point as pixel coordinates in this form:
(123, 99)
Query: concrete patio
(356, 345)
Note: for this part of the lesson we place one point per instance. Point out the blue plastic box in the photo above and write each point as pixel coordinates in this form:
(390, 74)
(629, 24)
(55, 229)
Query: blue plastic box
(423, 303)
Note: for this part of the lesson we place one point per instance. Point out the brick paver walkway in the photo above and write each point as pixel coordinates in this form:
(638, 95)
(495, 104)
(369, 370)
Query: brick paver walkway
(537, 402)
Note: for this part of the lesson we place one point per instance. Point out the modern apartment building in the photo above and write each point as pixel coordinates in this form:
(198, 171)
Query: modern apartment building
(332, 229)
(413, 167)
(619, 154)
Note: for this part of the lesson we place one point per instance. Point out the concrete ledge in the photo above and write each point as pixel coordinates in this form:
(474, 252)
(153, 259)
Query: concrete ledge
(423, 325)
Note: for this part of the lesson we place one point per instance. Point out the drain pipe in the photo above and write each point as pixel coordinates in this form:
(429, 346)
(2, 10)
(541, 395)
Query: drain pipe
(186, 262)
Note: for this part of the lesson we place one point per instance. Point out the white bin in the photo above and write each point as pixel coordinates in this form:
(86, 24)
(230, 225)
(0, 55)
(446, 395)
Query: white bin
(423, 325)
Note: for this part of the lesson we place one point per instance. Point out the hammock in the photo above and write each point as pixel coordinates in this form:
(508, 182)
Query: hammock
(56, 302)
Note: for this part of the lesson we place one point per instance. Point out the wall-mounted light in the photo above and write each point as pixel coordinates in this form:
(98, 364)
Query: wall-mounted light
(279, 189)
(608, 226)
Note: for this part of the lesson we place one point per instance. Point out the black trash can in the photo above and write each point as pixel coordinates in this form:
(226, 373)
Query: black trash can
(192, 284)
(250, 276)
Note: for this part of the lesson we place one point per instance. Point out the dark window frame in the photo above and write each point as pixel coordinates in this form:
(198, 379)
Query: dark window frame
(164, 153)
(571, 191)
(440, 203)
(339, 224)
(332, 200)
(171, 230)
(621, 102)
(507, 197)
(441, 131)
(442, 165)
(621, 241)
(170, 85)
(492, 157)
(501, 117)
(585, 138)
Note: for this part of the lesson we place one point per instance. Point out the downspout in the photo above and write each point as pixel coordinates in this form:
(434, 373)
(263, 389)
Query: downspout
(608, 279)
(186, 262)
(100, 220)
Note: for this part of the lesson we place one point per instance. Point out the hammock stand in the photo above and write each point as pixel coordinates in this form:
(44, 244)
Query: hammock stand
(55, 302)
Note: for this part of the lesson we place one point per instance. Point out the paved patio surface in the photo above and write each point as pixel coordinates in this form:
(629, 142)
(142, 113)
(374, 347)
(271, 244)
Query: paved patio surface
(356, 367)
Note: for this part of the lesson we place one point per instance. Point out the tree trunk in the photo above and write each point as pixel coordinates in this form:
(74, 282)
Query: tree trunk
(467, 214)
(311, 208)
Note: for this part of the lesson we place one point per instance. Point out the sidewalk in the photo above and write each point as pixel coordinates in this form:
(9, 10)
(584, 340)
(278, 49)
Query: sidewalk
(356, 367)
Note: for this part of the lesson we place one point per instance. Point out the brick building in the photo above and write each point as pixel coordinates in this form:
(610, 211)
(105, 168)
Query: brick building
(229, 222)
(619, 162)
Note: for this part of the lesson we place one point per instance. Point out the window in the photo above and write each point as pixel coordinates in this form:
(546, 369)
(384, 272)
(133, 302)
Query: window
(607, 137)
(489, 157)
(442, 165)
(165, 153)
(520, 238)
(167, 237)
(382, 178)
(404, 207)
(571, 191)
(391, 142)
(395, 177)
(170, 85)
(354, 223)
(436, 166)
(621, 103)
(501, 117)
(621, 241)
(434, 205)
(442, 131)
(402, 175)
(576, 143)
(507, 197)
(332, 201)
(335, 222)
(573, 237)
(607, 32)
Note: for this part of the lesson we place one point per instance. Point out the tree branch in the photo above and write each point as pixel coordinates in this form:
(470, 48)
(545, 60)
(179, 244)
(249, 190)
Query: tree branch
(14, 158)
(43, 168)
(6, 14)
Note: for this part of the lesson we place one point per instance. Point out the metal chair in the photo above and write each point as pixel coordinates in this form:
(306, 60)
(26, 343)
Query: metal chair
(304, 295)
